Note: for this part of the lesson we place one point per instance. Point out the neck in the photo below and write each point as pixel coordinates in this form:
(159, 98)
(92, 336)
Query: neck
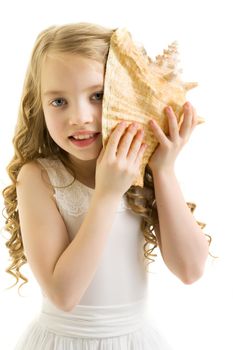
(84, 169)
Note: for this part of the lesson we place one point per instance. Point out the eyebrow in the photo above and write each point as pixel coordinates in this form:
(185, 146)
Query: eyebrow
(59, 92)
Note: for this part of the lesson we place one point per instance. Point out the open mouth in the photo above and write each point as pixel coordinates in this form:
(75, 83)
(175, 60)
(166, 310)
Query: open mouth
(84, 142)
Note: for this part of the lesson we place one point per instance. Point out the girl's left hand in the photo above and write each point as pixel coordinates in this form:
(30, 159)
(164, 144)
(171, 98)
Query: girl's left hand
(169, 146)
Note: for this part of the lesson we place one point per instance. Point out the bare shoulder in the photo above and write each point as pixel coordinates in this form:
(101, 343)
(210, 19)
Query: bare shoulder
(42, 228)
(33, 174)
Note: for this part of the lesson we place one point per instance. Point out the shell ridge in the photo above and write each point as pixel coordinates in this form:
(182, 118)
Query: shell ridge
(138, 88)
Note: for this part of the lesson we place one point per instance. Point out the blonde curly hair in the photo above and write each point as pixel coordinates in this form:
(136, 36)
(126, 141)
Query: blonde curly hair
(32, 140)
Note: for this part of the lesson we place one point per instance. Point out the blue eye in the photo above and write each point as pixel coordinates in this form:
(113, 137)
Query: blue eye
(100, 94)
(59, 100)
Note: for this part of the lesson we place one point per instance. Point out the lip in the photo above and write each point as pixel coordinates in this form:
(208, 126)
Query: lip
(84, 132)
(85, 143)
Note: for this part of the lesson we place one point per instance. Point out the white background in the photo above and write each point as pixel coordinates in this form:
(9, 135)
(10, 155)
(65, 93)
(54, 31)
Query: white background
(194, 316)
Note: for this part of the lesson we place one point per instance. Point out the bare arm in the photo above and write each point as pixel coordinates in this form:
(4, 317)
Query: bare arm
(77, 265)
(183, 245)
(64, 270)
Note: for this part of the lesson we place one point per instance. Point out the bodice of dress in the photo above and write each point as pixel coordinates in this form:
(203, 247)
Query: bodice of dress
(121, 275)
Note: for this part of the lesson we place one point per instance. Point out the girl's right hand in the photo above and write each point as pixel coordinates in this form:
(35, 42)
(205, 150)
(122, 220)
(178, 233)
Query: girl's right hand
(118, 165)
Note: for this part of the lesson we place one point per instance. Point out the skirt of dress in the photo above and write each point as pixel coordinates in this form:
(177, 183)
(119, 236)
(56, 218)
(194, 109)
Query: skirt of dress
(115, 327)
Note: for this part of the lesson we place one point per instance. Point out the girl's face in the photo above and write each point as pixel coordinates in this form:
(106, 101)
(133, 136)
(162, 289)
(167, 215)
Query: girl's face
(71, 92)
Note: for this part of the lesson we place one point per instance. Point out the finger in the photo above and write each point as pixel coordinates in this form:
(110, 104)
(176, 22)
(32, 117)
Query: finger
(195, 118)
(172, 122)
(159, 134)
(135, 146)
(112, 145)
(126, 140)
(140, 154)
(100, 156)
(187, 121)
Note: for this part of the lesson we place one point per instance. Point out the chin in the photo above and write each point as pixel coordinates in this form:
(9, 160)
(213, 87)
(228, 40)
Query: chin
(85, 155)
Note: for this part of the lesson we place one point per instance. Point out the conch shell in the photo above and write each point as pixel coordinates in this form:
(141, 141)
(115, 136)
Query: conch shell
(138, 89)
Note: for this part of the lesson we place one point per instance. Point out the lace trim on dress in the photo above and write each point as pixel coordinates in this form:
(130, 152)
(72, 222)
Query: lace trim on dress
(71, 196)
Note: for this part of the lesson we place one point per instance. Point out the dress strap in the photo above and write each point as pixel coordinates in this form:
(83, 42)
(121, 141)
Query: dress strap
(57, 173)
(72, 196)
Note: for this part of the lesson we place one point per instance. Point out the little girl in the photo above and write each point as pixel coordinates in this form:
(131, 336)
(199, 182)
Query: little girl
(72, 212)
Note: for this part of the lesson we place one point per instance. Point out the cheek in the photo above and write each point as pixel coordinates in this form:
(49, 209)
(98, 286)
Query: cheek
(55, 125)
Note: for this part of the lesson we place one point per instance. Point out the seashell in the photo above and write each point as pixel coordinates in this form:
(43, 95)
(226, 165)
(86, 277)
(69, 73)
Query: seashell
(136, 88)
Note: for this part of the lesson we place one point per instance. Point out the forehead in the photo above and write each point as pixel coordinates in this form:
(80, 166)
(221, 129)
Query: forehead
(70, 71)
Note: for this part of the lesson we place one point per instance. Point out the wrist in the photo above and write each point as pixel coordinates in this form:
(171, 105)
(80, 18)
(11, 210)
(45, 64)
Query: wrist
(165, 172)
(102, 196)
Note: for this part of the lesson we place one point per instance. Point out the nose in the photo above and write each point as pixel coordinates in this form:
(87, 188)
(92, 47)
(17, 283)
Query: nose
(80, 113)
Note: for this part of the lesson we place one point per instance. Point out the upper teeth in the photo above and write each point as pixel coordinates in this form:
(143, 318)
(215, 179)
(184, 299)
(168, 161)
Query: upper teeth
(83, 137)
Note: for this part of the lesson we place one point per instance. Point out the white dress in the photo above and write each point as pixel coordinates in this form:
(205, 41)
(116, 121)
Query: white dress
(112, 314)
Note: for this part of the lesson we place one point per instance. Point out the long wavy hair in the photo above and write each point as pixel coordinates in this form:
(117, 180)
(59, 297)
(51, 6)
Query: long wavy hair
(32, 140)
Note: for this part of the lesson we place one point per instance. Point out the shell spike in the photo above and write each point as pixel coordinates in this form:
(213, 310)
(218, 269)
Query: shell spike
(170, 76)
(150, 85)
(190, 85)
